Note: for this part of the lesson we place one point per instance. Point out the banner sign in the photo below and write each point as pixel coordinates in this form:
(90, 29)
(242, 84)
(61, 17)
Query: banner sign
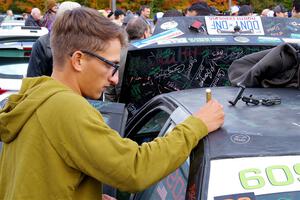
(228, 25)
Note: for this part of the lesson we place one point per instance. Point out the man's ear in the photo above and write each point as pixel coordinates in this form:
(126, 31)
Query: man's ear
(77, 60)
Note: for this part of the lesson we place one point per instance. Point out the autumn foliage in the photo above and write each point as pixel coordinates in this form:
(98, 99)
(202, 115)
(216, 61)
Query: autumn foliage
(134, 5)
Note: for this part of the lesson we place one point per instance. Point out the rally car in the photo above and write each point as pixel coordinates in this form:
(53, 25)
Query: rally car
(194, 52)
(255, 155)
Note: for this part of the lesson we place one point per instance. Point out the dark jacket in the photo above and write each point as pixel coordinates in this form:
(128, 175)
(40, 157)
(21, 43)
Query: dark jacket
(40, 62)
(276, 67)
(30, 21)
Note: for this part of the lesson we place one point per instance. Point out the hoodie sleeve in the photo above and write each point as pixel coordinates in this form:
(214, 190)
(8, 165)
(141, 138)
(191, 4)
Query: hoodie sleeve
(81, 137)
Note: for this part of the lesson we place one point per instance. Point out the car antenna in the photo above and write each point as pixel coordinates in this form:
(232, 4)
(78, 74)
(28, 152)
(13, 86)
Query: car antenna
(238, 95)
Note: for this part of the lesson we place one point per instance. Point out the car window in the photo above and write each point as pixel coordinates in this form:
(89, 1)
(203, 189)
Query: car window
(155, 124)
(152, 125)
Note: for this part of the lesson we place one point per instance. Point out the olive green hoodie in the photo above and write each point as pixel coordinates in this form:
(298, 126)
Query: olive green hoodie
(57, 146)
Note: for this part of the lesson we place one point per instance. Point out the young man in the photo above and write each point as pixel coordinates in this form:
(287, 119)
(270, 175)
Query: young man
(57, 146)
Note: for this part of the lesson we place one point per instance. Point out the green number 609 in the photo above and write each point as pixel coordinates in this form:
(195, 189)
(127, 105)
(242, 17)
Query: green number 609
(251, 178)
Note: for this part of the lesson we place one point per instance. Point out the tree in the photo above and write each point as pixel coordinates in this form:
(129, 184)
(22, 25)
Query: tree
(5, 5)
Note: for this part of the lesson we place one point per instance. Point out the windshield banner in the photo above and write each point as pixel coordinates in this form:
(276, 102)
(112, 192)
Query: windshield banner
(228, 25)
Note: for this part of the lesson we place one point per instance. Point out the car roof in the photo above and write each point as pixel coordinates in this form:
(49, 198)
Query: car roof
(274, 31)
(194, 59)
(249, 130)
(23, 31)
(13, 22)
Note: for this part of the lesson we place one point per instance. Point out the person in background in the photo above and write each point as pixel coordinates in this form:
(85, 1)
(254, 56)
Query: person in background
(264, 12)
(9, 15)
(25, 16)
(270, 13)
(49, 16)
(213, 10)
(198, 9)
(34, 18)
(119, 17)
(137, 29)
(296, 9)
(128, 17)
(40, 62)
(172, 13)
(234, 10)
(157, 16)
(145, 12)
(103, 12)
(245, 10)
(280, 11)
(111, 15)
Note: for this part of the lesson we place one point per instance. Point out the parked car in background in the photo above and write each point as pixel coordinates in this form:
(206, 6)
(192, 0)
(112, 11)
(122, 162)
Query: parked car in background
(15, 17)
(15, 49)
(255, 155)
(193, 52)
(23, 31)
(11, 24)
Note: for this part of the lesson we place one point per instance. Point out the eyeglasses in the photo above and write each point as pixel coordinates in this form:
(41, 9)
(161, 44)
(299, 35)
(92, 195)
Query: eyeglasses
(114, 65)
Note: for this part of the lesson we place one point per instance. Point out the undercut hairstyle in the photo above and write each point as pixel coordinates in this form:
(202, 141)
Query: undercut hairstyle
(136, 28)
(82, 29)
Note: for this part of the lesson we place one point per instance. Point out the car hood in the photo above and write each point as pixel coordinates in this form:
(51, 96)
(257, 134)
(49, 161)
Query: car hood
(20, 107)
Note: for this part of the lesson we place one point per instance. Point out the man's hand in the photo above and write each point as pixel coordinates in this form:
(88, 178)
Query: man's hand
(211, 114)
(107, 197)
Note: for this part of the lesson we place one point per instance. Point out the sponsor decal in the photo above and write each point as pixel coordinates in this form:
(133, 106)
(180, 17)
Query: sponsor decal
(240, 138)
(172, 33)
(173, 41)
(295, 35)
(207, 40)
(169, 25)
(241, 39)
(268, 40)
(291, 40)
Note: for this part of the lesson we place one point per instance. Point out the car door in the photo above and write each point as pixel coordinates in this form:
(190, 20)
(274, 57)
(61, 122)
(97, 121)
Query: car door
(114, 114)
(158, 122)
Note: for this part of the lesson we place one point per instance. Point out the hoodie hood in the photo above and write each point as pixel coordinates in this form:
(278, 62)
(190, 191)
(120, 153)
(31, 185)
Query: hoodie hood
(20, 107)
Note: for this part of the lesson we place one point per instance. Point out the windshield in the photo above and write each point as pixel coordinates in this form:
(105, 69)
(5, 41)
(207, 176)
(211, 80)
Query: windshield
(260, 178)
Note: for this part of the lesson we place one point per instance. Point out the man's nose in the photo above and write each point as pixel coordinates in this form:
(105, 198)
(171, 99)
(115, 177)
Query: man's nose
(114, 79)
